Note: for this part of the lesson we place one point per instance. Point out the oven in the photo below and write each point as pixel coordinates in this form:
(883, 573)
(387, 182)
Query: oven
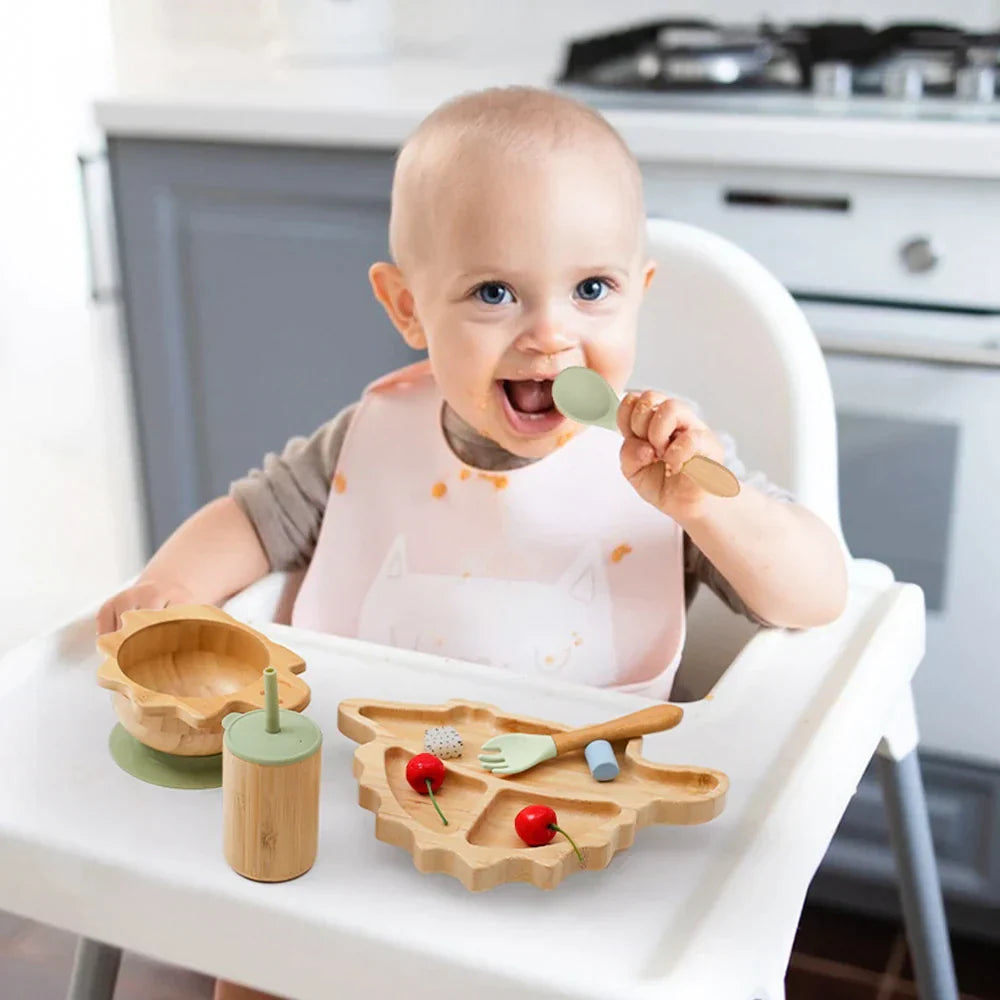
(918, 403)
(899, 279)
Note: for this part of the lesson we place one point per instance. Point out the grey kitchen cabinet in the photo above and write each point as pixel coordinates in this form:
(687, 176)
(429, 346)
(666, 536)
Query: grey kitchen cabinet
(247, 306)
(249, 319)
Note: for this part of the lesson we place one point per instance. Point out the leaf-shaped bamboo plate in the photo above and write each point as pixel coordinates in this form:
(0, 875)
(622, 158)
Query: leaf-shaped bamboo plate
(479, 846)
(177, 672)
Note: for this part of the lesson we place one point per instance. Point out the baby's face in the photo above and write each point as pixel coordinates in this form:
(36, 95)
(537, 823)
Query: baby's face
(527, 271)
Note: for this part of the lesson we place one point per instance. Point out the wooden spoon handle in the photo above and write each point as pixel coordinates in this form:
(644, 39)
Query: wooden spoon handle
(647, 720)
(711, 476)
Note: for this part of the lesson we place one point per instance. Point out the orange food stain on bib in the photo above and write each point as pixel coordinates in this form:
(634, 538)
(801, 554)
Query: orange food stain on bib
(499, 482)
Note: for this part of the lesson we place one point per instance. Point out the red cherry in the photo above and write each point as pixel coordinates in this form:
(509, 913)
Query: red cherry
(536, 825)
(422, 768)
(425, 773)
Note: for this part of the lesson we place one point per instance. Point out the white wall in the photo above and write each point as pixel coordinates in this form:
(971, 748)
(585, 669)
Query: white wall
(500, 29)
(67, 532)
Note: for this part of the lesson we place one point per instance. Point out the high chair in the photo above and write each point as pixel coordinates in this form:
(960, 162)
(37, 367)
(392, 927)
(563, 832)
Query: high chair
(719, 329)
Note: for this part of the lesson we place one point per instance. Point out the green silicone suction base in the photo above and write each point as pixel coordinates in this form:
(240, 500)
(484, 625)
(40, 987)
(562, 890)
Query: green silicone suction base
(166, 769)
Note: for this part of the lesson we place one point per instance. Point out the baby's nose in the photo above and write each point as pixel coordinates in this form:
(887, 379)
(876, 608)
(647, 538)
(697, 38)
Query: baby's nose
(545, 336)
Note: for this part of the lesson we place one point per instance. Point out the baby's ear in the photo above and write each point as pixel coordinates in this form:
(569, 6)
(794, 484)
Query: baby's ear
(391, 290)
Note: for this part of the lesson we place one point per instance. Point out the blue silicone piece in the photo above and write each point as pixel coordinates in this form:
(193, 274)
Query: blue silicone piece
(601, 760)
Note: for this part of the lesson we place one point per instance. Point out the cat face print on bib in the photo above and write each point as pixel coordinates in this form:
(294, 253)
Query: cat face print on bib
(561, 627)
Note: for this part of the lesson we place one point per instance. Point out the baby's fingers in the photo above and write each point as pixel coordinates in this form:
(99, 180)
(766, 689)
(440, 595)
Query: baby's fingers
(143, 596)
(636, 411)
(107, 618)
(671, 417)
(636, 455)
(625, 409)
(685, 445)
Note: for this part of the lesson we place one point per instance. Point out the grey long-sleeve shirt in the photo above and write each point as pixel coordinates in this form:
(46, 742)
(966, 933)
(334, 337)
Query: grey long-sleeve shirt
(286, 497)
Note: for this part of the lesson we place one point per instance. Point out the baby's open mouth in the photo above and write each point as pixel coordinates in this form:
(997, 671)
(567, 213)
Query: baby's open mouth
(529, 396)
(528, 405)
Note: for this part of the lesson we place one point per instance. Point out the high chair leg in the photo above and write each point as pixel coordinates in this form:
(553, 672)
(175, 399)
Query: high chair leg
(916, 868)
(95, 971)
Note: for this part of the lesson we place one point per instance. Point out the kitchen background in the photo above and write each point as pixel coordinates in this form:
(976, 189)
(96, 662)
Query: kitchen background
(73, 527)
(71, 524)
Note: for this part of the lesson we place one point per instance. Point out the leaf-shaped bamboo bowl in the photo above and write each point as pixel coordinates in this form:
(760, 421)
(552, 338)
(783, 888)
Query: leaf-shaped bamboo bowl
(177, 672)
(480, 846)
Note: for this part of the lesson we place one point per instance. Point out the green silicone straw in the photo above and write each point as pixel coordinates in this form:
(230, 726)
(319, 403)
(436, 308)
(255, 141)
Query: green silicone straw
(273, 724)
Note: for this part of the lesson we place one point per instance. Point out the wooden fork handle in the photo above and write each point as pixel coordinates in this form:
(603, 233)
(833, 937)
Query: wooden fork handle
(647, 720)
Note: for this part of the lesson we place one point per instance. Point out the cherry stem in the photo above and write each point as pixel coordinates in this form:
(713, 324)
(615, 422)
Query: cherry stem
(559, 829)
(430, 792)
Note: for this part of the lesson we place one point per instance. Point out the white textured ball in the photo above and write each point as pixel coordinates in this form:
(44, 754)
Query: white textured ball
(443, 742)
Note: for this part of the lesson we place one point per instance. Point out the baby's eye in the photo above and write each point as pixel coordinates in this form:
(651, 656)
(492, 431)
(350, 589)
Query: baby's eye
(494, 294)
(592, 289)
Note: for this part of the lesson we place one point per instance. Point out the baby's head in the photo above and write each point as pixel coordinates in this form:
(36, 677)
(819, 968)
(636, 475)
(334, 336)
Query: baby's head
(518, 240)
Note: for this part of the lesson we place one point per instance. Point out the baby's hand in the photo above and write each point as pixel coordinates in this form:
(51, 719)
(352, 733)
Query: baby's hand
(150, 595)
(661, 434)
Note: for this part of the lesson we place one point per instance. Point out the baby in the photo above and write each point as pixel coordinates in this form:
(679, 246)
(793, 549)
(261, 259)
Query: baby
(453, 509)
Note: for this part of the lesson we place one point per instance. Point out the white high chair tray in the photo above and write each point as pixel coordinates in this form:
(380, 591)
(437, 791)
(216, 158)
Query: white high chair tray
(706, 911)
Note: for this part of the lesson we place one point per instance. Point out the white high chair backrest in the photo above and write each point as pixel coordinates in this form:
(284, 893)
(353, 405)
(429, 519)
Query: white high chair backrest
(720, 329)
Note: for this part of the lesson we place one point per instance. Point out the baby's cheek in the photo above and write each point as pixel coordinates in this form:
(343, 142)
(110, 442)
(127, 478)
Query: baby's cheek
(612, 340)
(451, 372)
(614, 360)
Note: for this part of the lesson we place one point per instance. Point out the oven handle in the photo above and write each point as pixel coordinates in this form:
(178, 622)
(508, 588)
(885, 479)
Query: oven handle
(908, 349)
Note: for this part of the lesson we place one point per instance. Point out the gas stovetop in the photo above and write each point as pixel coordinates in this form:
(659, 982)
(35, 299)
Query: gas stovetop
(927, 70)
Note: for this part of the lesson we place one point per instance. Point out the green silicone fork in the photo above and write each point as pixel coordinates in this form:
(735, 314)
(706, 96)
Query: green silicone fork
(512, 753)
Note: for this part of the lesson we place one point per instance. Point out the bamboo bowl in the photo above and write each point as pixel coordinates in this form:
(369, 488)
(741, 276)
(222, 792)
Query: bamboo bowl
(177, 672)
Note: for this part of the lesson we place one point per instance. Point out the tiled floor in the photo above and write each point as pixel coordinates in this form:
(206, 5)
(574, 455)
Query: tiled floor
(837, 957)
(840, 956)
(35, 964)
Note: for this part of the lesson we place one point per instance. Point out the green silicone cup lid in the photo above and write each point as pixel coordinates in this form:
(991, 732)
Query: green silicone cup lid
(247, 737)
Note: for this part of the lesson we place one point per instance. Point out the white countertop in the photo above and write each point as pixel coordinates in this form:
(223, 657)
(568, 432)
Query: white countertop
(253, 97)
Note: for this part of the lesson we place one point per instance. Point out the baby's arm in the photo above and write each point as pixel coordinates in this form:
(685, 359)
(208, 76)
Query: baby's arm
(214, 554)
(783, 561)
(269, 521)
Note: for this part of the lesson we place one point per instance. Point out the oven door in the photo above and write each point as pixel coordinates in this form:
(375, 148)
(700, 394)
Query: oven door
(918, 404)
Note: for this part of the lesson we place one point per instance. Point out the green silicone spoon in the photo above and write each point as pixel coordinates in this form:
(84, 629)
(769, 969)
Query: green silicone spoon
(584, 396)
